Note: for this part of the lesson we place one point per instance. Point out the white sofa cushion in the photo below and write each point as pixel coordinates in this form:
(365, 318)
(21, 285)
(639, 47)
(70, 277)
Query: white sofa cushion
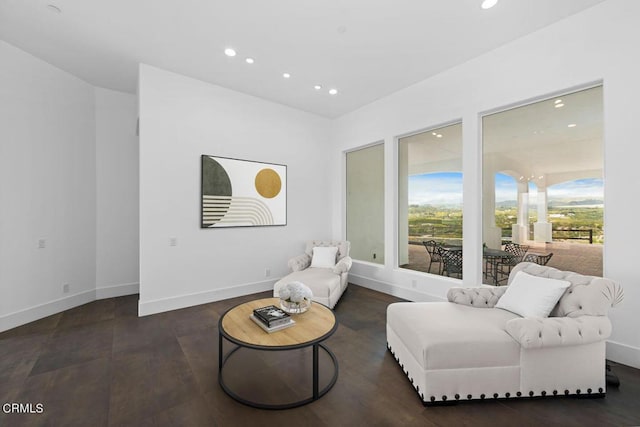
(442, 335)
(324, 257)
(532, 296)
(587, 295)
(322, 281)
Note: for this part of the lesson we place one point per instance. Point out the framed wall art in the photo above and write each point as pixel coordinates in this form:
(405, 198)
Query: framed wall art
(242, 193)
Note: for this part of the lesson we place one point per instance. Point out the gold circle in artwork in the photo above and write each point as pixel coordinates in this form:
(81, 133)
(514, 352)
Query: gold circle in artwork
(268, 183)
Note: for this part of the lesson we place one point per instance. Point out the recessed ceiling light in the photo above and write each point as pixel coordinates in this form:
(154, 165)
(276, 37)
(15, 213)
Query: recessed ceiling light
(439, 135)
(559, 105)
(333, 91)
(557, 101)
(54, 8)
(249, 60)
(572, 125)
(317, 87)
(286, 75)
(540, 177)
(230, 52)
(488, 4)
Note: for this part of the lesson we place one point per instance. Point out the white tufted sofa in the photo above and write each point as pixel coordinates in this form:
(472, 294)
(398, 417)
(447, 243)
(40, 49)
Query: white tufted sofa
(466, 349)
(327, 284)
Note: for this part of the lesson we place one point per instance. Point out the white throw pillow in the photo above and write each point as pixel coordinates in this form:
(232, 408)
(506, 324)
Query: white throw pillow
(324, 257)
(532, 296)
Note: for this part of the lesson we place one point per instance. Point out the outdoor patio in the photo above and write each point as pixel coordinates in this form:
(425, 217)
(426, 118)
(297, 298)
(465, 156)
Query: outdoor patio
(582, 258)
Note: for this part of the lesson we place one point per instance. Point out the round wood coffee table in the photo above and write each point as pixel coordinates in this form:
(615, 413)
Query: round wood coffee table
(311, 328)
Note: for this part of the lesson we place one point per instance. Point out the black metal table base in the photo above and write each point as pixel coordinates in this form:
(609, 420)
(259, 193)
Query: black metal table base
(316, 393)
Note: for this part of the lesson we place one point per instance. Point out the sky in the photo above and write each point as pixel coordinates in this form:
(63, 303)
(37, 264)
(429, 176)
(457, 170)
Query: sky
(445, 188)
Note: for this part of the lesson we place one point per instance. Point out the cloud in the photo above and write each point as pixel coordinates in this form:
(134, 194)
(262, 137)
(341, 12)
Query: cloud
(436, 189)
(579, 189)
(446, 189)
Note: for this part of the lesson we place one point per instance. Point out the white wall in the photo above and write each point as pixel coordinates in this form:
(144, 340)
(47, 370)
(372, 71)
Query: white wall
(48, 188)
(117, 184)
(598, 44)
(183, 118)
(68, 176)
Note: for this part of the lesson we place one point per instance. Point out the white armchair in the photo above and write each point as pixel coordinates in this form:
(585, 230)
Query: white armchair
(327, 284)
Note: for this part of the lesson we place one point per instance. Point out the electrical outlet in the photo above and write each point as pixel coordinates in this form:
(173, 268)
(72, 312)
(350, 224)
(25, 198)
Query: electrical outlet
(65, 288)
(267, 272)
(173, 241)
(42, 243)
(414, 283)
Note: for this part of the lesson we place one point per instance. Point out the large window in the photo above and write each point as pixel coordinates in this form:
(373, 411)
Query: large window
(430, 201)
(365, 203)
(543, 185)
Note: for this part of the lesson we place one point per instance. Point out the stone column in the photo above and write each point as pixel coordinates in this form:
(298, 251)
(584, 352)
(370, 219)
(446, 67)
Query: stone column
(542, 229)
(491, 235)
(520, 230)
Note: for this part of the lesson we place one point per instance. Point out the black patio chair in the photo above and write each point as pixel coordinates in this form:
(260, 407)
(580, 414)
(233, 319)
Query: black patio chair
(538, 258)
(434, 256)
(451, 261)
(516, 255)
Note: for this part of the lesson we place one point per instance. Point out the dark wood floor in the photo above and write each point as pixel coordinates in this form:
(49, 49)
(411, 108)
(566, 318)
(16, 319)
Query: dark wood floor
(99, 364)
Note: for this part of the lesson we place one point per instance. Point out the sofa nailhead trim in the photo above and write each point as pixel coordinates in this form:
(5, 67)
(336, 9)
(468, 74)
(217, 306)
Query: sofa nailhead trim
(600, 390)
(589, 390)
(444, 398)
(495, 395)
(578, 391)
(469, 397)
(544, 393)
(433, 398)
(519, 394)
(555, 392)
(531, 394)
(482, 396)
(507, 395)
(566, 392)
(457, 396)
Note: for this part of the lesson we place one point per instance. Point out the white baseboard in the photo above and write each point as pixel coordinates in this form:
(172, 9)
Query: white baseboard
(37, 312)
(623, 354)
(22, 317)
(146, 308)
(117, 290)
(391, 289)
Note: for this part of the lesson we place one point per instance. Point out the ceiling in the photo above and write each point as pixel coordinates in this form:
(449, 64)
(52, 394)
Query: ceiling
(534, 141)
(366, 49)
(547, 144)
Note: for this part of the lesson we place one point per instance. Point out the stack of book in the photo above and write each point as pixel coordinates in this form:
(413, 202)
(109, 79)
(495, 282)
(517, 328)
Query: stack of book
(272, 318)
